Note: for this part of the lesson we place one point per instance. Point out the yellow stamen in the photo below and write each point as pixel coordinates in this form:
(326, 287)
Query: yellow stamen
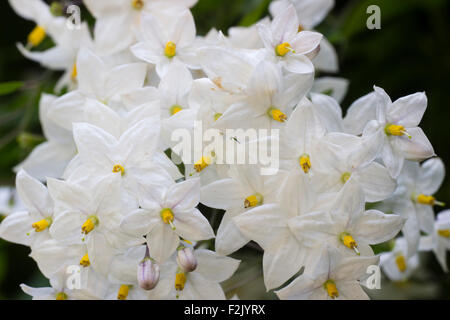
(217, 116)
(167, 217)
(36, 36)
(170, 50)
(428, 200)
(305, 163)
(74, 74)
(89, 225)
(202, 164)
(401, 263)
(300, 28)
(85, 261)
(119, 168)
(61, 296)
(332, 291)
(253, 200)
(396, 130)
(444, 233)
(180, 281)
(175, 109)
(42, 224)
(345, 176)
(282, 49)
(137, 4)
(349, 242)
(276, 114)
(122, 294)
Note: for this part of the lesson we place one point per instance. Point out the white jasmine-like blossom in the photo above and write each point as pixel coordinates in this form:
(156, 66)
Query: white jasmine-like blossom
(439, 239)
(117, 20)
(167, 213)
(163, 42)
(397, 264)
(414, 198)
(243, 190)
(131, 220)
(333, 277)
(346, 225)
(396, 130)
(30, 226)
(288, 47)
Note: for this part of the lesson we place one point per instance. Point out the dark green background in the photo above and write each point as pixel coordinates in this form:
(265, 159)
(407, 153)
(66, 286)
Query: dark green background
(410, 53)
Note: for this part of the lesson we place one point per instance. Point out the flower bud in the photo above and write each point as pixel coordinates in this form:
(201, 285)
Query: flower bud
(186, 260)
(147, 274)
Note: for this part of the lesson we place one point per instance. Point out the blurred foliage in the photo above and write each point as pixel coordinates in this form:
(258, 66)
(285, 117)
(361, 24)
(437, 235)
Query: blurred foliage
(410, 53)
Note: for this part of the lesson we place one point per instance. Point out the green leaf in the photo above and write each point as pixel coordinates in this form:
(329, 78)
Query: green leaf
(255, 15)
(10, 87)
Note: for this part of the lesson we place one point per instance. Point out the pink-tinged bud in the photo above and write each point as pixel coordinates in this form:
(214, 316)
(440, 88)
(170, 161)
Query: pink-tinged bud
(147, 274)
(186, 260)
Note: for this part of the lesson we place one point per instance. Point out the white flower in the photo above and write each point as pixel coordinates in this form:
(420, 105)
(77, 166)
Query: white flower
(31, 226)
(346, 225)
(288, 47)
(167, 41)
(333, 277)
(270, 99)
(91, 214)
(116, 20)
(204, 282)
(311, 13)
(414, 198)
(268, 225)
(439, 239)
(132, 157)
(168, 212)
(243, 190)
(397, 264)
(396, 130)
(343, 157)
(98, 80)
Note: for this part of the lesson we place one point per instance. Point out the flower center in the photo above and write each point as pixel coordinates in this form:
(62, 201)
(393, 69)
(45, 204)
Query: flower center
(305, 163)
(282, 49)
(180, 281)
(74, 73)
(36, 36)
(276, 114)
(122, 294)
(170, 50)
(202, 163)
(444, 233)
(396, 130)
(137, 4)
(61, 296)
(217, 116)
(89, 224)
(119, 168)
(348, 241)
(253, 200)
(345, 176)
(42, 224)
(332, 291)
(85, 261)
(428, 200)
(175, 109)
(401, 263)
(167, 217)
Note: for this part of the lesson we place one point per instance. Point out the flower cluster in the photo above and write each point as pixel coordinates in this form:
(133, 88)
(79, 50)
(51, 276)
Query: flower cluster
(102, 194)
